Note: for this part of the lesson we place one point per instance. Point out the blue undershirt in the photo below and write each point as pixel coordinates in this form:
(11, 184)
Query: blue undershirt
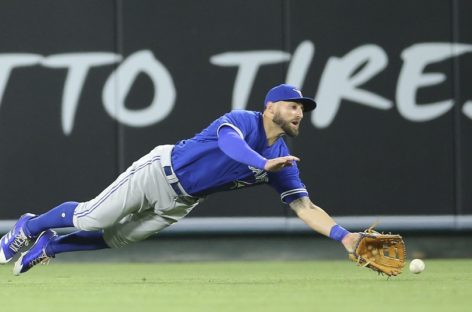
(235, 147)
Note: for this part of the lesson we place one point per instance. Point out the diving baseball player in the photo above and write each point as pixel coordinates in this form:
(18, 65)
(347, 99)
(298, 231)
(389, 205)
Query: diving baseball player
(239, 149)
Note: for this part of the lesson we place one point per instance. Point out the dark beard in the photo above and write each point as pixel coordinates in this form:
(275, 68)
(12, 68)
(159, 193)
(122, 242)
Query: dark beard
(285, 125)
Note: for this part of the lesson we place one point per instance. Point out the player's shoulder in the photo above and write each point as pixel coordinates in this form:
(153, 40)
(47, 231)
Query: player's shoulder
(243, 118)
(244, 114)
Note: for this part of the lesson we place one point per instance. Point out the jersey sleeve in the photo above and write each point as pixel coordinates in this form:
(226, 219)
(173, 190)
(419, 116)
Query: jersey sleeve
(287, 181)
(230, 142)
(288, 184)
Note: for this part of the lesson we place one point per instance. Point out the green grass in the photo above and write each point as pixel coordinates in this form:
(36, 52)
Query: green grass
(446, 285)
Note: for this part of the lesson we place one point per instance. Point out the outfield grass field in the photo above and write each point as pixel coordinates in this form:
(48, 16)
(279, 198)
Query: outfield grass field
(445, 285)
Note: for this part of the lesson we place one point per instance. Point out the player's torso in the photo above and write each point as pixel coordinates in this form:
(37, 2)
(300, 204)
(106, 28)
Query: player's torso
(203, 168)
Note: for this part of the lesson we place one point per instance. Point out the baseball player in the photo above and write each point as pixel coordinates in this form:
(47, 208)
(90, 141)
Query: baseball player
(239, 149)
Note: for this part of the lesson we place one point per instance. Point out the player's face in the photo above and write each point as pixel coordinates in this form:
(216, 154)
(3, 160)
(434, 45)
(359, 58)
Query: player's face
(288, 116)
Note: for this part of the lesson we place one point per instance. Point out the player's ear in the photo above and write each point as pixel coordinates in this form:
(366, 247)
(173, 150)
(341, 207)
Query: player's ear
(270, 107)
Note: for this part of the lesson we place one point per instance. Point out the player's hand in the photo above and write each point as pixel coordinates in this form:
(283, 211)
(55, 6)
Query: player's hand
(276, 164)
(350, 241)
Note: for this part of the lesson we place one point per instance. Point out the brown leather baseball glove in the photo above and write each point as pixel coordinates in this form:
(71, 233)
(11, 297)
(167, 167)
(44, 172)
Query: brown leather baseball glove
(383, 253)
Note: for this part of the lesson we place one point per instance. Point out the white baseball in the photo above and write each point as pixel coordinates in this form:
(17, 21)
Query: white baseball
(416, 266)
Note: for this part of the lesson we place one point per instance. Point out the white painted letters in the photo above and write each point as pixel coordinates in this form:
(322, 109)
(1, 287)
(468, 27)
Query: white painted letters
(416, 58)
(79, 65)
(248, 63)
(343, 78)
(301, 61)
(120, 82)
(339, 82)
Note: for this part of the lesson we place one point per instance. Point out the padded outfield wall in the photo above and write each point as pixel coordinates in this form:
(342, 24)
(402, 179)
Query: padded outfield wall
(86, 87)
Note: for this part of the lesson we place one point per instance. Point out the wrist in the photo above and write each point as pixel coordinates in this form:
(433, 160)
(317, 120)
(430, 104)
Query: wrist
(338, 233)
(350, 241)
(263, 163)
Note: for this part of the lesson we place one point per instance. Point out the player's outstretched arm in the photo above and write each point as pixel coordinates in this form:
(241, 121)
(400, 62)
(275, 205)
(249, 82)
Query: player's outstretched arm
(317, 219)
(312, 215)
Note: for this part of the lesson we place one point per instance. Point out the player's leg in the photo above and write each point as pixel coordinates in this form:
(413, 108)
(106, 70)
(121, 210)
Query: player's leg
(49, 244)
(35, 255)
(140, 226)
(58, 217)
(124, 196)
(15, 239)
(137, 189)
(133, 228)
(29, 226)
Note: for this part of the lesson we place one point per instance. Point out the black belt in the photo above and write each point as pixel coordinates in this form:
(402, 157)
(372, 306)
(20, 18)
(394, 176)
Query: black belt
(175, 185)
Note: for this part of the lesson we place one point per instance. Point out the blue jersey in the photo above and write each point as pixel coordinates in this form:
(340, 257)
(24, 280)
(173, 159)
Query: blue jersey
(203, 168)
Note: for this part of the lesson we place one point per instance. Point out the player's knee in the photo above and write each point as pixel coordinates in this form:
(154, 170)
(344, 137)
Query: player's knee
(115, 239)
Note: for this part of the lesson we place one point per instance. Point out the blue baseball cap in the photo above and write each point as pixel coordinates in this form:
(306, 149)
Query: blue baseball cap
(285, 92)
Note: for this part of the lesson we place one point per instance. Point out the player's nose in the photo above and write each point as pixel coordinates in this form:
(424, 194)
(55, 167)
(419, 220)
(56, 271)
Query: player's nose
(300, 113)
